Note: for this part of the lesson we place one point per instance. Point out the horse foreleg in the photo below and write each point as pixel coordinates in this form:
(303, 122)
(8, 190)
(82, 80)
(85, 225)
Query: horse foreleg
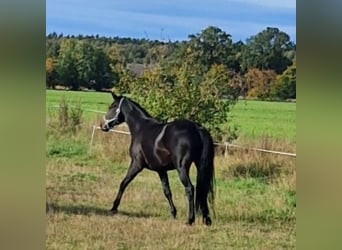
(133, 170)
(167, 191)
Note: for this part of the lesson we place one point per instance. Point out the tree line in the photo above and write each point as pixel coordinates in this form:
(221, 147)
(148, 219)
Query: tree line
(262, 67)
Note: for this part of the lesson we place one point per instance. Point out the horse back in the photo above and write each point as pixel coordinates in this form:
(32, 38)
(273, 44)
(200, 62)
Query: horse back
(183, 132)
(160, 143)
(183, 135)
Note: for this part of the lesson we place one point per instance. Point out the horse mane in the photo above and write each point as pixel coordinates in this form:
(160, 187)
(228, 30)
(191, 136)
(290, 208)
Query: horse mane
(140, 109)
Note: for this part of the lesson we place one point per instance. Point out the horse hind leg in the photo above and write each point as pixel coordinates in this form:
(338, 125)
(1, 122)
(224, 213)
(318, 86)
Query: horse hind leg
(201, 196)
(167, 192)
(183, 171)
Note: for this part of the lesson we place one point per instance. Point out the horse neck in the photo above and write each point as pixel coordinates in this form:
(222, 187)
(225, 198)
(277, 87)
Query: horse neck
(136, 118)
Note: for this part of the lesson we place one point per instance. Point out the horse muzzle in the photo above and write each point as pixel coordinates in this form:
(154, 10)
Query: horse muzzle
(104, 127)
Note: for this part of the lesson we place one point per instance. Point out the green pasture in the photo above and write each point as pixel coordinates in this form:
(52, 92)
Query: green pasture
(254, 119)
(255, 204)
(89, 100)
(257, 119)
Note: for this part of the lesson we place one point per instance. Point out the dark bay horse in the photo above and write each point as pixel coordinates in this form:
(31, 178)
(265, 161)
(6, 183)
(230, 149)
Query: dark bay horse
(166, 146)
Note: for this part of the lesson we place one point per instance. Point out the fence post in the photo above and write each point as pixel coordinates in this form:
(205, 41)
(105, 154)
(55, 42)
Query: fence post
(226, 149)
(92, 135)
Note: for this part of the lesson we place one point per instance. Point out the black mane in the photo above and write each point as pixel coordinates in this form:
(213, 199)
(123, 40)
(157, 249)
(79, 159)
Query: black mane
(141, 109)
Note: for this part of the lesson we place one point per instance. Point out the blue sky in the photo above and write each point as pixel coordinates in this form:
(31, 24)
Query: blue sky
(167, 19)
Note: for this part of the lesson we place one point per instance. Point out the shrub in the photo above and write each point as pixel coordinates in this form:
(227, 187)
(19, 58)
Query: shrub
(186, 92)
(69, 117)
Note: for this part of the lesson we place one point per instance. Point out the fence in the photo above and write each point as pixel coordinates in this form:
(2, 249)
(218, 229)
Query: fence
(226, 144)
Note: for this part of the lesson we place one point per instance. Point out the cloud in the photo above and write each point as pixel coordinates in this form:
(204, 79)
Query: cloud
(166, 19)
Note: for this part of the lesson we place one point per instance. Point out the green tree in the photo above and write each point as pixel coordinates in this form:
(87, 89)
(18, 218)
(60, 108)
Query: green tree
(67, 64)
(285, 84)
(52, 45)
(80, 64)
(117, 58)
(85, 62)
(211, 46)
(269, 49)
(103, 76)
(238, 47)
(51, 74)
(190, 94)
(158, 53)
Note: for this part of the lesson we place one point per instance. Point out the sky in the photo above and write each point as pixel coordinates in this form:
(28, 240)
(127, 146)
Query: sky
(169, 19)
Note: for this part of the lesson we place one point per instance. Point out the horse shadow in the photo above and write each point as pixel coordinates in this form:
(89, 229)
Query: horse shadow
(52, 208)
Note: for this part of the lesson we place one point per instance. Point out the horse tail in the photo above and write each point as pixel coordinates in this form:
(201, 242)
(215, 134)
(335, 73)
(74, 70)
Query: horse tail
(205, 173)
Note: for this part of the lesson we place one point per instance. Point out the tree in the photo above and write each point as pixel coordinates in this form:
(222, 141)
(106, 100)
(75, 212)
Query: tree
(103, 76)
(85, 63)
(80, 64)
(52, 46)
(238, 47)
(285, 84)
(195, 84)
(67, 64)
(186, 92)
(50, 73)
(100, 62)
(158, 52)
(268, 49)
(258, 83)
(211, 46)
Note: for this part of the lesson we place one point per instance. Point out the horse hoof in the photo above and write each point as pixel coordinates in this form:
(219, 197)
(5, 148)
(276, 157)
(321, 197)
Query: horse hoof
(207, 221)
(173, 215)
(113, 211)
(189, 222)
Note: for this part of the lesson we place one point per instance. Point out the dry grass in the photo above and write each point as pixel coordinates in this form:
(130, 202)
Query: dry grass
(78, 218)
(255, 200)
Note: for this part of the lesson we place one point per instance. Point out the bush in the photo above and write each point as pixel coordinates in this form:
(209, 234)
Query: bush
(186, 92)
(69, 118)
(285, 85)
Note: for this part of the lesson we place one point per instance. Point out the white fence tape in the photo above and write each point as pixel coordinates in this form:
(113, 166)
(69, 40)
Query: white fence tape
(91, 110)
(226, 145)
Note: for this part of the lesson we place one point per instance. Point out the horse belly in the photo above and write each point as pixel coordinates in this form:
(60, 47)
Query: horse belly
(159, 159)
(157, 156)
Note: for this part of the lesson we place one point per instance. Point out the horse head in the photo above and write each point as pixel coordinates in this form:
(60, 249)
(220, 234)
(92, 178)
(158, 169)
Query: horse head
(114, 115)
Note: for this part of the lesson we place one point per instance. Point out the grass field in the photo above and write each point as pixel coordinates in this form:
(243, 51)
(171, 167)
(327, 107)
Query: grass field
(254, 119)
(255, 193)
(257, 119)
